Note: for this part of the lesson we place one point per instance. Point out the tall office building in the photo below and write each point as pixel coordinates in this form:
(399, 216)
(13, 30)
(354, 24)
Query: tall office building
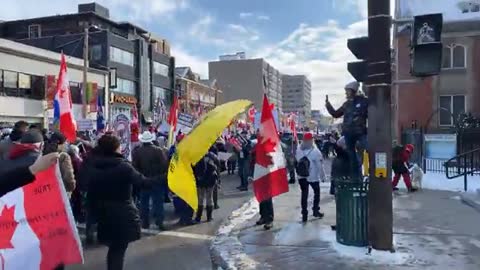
(245, 79)
(297, 96)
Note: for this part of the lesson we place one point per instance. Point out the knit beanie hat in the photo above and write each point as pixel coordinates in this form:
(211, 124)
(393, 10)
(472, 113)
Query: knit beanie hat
(353, 86)
(31, 137)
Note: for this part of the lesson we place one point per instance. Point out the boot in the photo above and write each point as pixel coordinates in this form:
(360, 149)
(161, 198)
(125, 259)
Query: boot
(412, 189)
(209, 213)
(304, 218)
(268, 226)
(317, 214)
(261, 221)
(198, 217)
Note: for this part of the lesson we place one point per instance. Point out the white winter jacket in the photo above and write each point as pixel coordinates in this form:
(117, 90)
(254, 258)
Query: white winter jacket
(316, 163)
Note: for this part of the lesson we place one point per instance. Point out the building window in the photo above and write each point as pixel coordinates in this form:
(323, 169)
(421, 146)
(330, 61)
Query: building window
(449, 109)
(121, 56)
(96, 52)
(38, 87)
(454, 56)
(125, 86)
(10, 83)
(161, 69)
(24, 85)
(34, 31)
(458, 56)
(161, 93)
(76, 91)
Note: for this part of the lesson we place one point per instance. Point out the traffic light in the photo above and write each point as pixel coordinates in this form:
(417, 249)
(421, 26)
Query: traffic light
(359, 48)
(427, 45)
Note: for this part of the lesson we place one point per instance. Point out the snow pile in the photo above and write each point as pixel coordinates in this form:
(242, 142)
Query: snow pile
(438, 181)
(383, 258)
(227, 251)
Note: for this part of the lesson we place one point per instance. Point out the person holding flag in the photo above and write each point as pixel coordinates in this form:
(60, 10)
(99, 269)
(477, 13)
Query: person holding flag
(270, 172)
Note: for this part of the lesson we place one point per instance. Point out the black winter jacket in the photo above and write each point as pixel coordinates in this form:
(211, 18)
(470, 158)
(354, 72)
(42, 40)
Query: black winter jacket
(355, 114)
(110, 182)
(15, 178)
(207, 170)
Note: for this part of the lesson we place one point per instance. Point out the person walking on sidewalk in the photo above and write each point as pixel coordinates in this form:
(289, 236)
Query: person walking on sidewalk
(151, 161)
(206, 174)
(310, 171)
(401, 157)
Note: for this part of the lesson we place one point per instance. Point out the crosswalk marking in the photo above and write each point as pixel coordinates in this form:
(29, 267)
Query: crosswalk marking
(187, 235)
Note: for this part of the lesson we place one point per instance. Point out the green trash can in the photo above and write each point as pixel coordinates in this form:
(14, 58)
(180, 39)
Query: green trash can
(352, 212)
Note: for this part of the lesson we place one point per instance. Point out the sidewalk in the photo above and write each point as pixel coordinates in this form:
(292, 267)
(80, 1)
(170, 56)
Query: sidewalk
(432, 230)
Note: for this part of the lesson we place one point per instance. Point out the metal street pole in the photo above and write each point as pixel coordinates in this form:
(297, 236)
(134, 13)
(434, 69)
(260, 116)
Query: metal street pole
(85, 70)
(380, 216)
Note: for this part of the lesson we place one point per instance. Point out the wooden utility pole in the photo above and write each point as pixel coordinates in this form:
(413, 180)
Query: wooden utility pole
(85, 70)
(380, 214)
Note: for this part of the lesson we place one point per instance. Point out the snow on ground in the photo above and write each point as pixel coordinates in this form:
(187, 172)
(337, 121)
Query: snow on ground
(227, 250)
(438, 181)
(383, 258)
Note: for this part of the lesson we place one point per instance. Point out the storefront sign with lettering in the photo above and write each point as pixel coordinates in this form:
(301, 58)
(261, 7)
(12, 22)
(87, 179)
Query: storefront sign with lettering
(116, 98)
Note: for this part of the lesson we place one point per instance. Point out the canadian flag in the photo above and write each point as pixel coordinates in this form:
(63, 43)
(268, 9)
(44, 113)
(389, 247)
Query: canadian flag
(37, 229)
(251, 114)
(62, 104)
(270, 173)
(293, 126)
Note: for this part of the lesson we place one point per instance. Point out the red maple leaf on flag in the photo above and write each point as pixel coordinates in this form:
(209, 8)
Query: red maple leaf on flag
(267, 137)
(7, 227)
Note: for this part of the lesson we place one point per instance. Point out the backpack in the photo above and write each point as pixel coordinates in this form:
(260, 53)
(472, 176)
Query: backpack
(303, 166)
(206, 171)
(397, 152)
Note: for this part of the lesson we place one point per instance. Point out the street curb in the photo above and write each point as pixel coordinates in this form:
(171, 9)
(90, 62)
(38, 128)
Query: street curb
(472, 200)
(226, 250)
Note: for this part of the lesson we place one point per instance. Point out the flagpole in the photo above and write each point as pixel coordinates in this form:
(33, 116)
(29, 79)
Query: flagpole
(85, 69)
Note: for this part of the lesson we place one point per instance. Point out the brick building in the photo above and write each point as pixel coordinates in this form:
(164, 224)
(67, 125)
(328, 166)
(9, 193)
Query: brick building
(434, 103)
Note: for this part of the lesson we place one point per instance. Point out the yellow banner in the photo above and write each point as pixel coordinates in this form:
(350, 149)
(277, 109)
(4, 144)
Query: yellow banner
(195, 145)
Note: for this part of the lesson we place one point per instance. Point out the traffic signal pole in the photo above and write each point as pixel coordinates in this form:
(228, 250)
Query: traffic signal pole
(380, 213)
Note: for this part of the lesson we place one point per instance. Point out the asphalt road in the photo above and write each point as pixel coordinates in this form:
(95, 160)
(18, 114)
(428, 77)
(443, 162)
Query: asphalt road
(179, 247)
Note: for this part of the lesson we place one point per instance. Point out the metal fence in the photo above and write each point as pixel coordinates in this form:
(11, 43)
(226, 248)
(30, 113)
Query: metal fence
(467, 140)
(434, 165)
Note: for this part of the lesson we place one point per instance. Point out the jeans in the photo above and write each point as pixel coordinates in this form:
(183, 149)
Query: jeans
(304, 184)
(242, 168)
(215, 194)
(266, 211)
(231, 166)
(353, 143)
(157, 194)
(116, 256)
(205, 194)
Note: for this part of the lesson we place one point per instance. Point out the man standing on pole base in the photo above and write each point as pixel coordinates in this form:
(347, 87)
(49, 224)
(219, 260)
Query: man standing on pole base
(380, 216)
(354, 127)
